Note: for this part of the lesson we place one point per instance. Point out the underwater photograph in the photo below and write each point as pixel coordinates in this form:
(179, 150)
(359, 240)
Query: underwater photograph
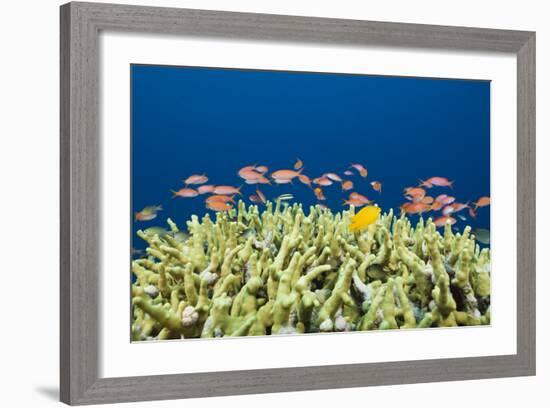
(289, 203)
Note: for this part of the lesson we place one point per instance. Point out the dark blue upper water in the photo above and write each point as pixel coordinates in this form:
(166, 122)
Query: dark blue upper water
(215, 121)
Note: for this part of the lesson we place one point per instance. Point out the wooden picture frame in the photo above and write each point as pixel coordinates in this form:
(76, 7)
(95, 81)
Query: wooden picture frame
(80, 234)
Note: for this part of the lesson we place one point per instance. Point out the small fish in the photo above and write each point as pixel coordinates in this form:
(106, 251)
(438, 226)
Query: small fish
(472, 212)
(348, 173)
(285, 197)
(220, 198)
(261, 196)
(441, 197)
(440, 182)
(249, 174)
(355, 202)
(246, 169)
(319, 193)
(415, 208)
(482, 202)
(376, 186)
(425, 184)
(459, 206)
(322, 181)
(282, 181)
(185, 193)
(261, 169)
(347, 185)
(227, 190)
(482, 235)
(441, 221)
(463, 218)
(333, 177)
(427, 200)
(255, 199)
(148, 213)
(359, 197)
(304, 179)
(415, 194)
(361, 169)
(448, 200)
(448, 209)
(180, 236)
(436, 205)
(205, 189)
(156, 231)
(196, 179)
(298, 165)
(218, 206)
(285, 174)
(364, 218)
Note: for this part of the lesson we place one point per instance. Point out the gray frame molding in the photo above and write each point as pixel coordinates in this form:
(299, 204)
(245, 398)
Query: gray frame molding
(80, 155)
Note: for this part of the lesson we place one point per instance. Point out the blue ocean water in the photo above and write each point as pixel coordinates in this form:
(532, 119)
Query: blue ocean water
(189, 120)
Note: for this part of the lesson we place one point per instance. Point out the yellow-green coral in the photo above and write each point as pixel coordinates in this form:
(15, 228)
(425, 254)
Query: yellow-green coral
(278, 271)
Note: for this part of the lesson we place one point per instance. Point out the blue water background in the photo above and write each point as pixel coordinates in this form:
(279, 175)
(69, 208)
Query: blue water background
(188, 120)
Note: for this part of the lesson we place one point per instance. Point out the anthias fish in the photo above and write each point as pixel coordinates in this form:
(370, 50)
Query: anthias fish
(185, 193)
(441, 221)
(298, 165)
(196, 179)
(205, 189)
(347, 185)
(361, 169)
(285, 174)
(364, 218)
(376, 186)
(227, 190)
(218, 206)
(482, 202)
(440, 182)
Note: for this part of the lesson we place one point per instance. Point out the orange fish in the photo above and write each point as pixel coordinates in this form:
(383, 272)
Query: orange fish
(319, 193)
(249, 174)
(459, 206)
(322, 181)
(255, 199)
(261, 196)
(440, 182)
(427, 200)
(304, 179)
(196, 179)
(347, 185)
(218, 206)
(185, 192)
(441, 221)
(282, 181)
(358, 197)
(436, 205)
(355, 202)
(447, 200)
(298, 165)
(449, 209)
(361, 169)
(441, 197)
(207, 188)
(261, 169)
(415, 194)
(415, 208)
(333, 177)
(246, 169)
(482, 202)
(259, 179)
(425, 183)
(285, 174)
(376, 186)
(227, 190)
(221, 198)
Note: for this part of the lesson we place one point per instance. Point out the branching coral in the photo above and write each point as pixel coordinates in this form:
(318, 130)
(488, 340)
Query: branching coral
(278, 271)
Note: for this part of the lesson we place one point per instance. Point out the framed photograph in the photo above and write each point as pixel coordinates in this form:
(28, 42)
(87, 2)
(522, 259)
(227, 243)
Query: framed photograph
(261, 203)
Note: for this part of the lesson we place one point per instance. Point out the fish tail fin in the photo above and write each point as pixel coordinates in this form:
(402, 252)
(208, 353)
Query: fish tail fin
(239, 190)
(174, 193)
(451, 184)
(159, 208)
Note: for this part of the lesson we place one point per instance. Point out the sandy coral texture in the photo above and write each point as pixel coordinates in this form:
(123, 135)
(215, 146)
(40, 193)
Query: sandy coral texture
(275, 270)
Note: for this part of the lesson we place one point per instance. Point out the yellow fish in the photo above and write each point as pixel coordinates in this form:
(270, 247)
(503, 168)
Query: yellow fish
(364, 218)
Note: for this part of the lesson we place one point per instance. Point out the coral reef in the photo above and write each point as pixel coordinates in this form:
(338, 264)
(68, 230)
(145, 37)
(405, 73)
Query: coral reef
(277, 271)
